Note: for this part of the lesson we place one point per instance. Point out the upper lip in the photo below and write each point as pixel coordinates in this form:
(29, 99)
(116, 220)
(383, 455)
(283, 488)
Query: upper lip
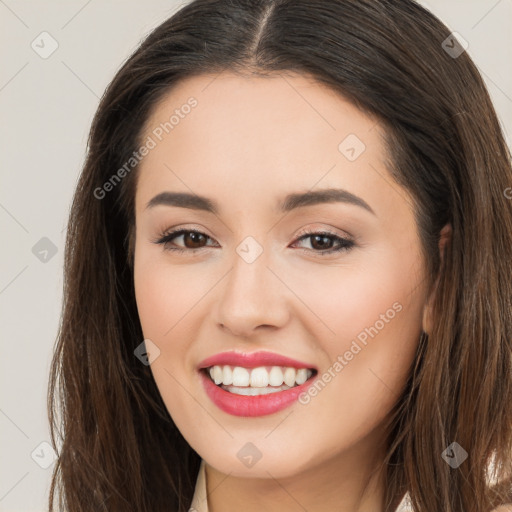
(252, 360)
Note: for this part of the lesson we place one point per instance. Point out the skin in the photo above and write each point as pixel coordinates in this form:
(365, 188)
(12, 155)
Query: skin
(248, 143)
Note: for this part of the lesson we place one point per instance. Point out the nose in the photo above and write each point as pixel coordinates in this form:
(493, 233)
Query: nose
(254, 298)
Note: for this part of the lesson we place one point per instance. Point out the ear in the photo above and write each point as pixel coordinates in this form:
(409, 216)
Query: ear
(444, 238)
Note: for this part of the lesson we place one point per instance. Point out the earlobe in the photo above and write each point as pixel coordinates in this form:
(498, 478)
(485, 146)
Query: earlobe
(444, 239)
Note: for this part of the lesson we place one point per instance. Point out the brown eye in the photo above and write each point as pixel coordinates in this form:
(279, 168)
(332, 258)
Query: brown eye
(195, 238)
(326, 243)
(192, 240)
(321, 242)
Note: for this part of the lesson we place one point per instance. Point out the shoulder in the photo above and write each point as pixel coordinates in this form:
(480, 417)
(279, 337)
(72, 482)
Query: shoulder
(406, 506)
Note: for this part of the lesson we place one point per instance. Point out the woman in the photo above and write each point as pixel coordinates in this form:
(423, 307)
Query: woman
(287, 274)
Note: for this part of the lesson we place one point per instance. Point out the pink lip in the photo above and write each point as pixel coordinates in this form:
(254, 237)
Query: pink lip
(252, 360)
(239, 405)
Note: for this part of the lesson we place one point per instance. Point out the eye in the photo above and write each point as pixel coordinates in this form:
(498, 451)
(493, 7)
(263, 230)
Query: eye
(191, 237)
(321, 241)
(324, 241)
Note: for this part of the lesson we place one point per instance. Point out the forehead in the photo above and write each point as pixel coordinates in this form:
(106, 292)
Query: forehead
(282, 108)
(257, 136)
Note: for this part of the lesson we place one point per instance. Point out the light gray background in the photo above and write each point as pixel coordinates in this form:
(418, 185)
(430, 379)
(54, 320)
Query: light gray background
(46, 107)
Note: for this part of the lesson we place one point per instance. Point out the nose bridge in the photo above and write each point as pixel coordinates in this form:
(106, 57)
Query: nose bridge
(252, 295)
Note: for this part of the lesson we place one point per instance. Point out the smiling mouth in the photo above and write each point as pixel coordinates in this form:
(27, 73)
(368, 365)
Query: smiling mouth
(258, 381)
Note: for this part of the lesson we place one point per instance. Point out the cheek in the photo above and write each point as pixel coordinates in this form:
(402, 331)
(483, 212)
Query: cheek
(169, 297)
(164, 294)
(163, 298)
(371, 318)
(377, 327)
(381, 294)
(154, 302)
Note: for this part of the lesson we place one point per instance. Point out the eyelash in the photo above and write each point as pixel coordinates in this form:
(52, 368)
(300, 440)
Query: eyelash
(345, 244)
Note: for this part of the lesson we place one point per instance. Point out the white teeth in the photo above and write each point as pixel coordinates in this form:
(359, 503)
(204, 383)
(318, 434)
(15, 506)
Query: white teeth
(259, 378)
(217, 374)
(289, 376)
(301, 376)
(227, 375)
(248, 391)
(241, 376)
(275, 377)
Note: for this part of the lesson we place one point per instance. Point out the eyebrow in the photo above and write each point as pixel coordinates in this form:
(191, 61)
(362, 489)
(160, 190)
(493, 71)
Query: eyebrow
(290, 202)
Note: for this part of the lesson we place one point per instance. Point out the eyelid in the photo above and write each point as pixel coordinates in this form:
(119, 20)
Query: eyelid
(301, 235)
(329, 231)
(175, 232)
(344, 242)
(180, 227)
(310, 230)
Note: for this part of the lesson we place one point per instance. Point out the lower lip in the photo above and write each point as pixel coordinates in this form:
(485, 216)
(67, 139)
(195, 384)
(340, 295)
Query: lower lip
(240, 405)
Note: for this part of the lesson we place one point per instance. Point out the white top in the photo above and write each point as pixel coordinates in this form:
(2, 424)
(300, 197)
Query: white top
(200, 503)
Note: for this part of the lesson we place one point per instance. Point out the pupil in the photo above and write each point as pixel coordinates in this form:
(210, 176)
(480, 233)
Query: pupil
(321, 237)
(194, 237)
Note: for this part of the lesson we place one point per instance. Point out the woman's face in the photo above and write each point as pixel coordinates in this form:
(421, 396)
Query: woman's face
(256, 283)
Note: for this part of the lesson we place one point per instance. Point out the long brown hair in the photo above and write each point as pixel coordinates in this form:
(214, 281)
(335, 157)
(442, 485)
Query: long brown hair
(121, 450)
